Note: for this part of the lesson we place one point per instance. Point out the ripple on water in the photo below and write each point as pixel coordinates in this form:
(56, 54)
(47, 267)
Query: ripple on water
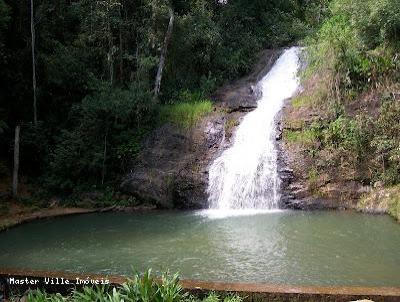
(225, 213)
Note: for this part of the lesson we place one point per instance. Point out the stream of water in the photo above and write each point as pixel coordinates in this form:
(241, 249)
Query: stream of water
(245, 175)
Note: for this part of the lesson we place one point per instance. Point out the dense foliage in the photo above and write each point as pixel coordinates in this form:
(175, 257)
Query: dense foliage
(96, 63)
(143, 288)
(353, 80)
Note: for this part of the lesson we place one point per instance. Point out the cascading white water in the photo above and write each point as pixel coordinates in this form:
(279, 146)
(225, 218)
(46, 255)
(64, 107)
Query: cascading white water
(245, 176)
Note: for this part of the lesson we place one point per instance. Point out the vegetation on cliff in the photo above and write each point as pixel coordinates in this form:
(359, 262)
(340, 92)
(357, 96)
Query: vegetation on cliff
(185, 114)
(382, 200)
(352, 97)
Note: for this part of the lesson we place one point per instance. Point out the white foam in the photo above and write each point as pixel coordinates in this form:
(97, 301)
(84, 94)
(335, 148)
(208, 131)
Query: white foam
(219, 214)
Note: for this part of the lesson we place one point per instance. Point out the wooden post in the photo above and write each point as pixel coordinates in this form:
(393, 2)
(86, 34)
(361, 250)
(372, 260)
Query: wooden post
(16, 162)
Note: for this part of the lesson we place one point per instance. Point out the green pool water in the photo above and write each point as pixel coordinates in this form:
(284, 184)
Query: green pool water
(281, 247)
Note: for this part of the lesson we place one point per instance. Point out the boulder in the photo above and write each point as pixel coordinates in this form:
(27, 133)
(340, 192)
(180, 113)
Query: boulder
(171, 171)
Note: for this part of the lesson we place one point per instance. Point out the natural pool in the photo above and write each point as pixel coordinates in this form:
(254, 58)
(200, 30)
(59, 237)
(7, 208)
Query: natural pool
(279, 247)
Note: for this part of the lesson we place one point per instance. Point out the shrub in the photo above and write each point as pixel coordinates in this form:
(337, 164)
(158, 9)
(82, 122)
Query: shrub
(302, 136)
(355, 47)
(349, 134)
(145, 288)
(386, 144)
(302, 101)
(375, 22)
(106, 129)
(313, 177)
(306, 136)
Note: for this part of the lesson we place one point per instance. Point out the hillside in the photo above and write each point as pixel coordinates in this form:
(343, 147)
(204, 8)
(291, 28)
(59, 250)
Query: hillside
(341, 133)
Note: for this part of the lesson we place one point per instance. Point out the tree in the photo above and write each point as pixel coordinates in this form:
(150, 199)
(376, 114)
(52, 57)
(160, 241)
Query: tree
(16, 162)
(33, 64)
(164, 52)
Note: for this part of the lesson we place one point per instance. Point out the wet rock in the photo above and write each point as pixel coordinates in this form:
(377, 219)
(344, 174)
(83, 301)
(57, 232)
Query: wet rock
(364, 189)
(243, 94)
(310, 203)
(286, 176)
(382, 200)
(215, 132)
(278, 136)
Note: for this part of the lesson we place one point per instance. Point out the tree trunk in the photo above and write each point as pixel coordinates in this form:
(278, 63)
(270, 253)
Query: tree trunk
(33, 64)
(91, 18)
(16, 162)
(121, 57)
(110, 56)
(164, 53)
(103, 172)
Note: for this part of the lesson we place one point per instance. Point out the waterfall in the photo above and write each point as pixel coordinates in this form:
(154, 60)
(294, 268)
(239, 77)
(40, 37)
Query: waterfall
(245, 176)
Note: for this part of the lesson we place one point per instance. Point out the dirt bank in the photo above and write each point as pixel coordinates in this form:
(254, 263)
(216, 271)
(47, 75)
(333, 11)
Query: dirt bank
(18, 214)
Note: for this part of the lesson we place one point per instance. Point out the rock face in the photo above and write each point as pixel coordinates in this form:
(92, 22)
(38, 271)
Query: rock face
(381, 200)
(172, 168)
(299, 189)
(243, 94)
(307, 183)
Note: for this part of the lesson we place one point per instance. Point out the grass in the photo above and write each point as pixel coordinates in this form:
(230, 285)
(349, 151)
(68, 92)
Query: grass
(302, 101)
(313, 178)
(185, 115)
(141, 288)
(313, 95)
(305, 136)
(230, 124)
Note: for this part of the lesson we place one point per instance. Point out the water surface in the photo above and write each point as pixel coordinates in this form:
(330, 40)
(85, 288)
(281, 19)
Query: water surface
(284, 247)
